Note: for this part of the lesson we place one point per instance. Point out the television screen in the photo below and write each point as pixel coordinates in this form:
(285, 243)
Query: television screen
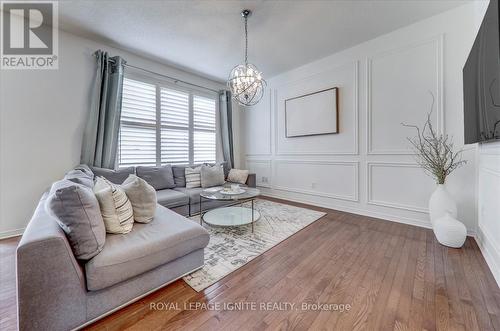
(481, 78)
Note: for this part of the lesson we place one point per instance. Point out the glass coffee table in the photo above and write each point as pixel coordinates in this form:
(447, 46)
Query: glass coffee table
(232, 214)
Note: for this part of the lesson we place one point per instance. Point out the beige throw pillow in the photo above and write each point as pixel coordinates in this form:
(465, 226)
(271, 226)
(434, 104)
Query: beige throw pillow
(116, 208)
(237, 176)
(193, 177)
(142, 196)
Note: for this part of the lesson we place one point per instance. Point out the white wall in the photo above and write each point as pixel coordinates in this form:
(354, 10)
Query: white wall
(367, 168)
(488, 230)
(42, 116)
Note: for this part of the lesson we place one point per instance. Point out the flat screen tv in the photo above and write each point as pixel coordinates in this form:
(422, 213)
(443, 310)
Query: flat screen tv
(481, 76)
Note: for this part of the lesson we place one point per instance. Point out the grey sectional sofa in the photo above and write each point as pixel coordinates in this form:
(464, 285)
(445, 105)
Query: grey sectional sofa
(58, 292)
(185, 201)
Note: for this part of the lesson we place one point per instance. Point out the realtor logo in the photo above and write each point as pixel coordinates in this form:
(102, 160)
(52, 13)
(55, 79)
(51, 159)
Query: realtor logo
(29, 36)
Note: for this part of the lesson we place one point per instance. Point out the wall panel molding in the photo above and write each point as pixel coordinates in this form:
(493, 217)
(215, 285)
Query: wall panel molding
(355, 150)
(350, 209)
(438, 106)
(270, 145)
(267, 163)
(391, 204)
(353, 164)
(490, 148)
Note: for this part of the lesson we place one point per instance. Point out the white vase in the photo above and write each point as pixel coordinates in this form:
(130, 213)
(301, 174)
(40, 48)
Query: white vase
(440, 203)
(449, 231)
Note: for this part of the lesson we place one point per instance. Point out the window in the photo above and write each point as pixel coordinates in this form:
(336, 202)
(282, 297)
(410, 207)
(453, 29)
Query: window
(161, 124)
(204, 129)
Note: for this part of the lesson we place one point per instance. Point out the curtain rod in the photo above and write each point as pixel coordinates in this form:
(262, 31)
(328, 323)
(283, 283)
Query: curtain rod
(165, 76)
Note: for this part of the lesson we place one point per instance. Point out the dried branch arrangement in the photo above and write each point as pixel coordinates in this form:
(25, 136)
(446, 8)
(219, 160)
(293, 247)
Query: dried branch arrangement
(435, 152)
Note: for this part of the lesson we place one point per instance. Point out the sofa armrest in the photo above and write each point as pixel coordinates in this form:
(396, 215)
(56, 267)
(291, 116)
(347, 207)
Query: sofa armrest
(251, 180)
(49, 291)
(50, 282)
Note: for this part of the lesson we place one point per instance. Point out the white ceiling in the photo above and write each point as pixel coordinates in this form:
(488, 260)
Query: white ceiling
(206, 37)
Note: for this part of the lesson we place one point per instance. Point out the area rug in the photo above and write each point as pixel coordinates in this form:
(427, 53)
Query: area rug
(232, 247)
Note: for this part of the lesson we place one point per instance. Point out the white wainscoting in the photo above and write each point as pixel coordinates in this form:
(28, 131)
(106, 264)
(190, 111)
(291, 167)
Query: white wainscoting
(398, 83)
(333, 179)
(488, 232)
(263, 171)
(382, 83)
(398, 185)
(258, 140)
(346, 142)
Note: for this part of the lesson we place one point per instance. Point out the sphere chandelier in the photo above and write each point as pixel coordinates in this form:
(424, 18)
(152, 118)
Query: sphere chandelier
(245, 80)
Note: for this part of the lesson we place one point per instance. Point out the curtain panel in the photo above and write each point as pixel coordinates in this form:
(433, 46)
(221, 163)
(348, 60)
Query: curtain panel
(226, 127)
(100, 139)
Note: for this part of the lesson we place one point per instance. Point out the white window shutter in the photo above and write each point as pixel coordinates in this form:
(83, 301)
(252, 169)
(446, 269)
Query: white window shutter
(204, 126)
(174, 126)
(137, 140)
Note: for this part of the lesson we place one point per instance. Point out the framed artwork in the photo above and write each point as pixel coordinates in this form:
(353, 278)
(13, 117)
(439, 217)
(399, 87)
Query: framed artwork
(312, 114)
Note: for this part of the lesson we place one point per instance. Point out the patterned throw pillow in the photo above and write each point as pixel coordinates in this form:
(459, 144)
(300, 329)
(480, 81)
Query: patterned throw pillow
(237, 176)
(116, 208)
(193, 177)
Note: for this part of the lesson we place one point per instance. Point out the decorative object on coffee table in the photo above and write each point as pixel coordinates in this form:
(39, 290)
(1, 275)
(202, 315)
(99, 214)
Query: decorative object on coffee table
(436, 154)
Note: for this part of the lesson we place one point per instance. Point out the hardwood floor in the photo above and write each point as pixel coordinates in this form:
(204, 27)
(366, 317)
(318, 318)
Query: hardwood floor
(393, 276)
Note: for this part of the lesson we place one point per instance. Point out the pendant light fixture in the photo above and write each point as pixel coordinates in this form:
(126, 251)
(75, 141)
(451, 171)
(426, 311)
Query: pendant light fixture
(245, 80)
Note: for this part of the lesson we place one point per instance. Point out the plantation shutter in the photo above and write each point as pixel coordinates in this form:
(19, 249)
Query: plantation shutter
(204, 129)
(174, 126)
(160, 125)
(137, 139)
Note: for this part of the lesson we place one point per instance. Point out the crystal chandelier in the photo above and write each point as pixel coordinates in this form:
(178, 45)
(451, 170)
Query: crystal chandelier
(245, 80)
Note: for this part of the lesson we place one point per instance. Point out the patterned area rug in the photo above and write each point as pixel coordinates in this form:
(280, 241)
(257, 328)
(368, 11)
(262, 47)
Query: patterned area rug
(232, 247)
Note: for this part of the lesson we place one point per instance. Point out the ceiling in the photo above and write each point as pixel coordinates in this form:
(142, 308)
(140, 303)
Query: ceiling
(206, 37)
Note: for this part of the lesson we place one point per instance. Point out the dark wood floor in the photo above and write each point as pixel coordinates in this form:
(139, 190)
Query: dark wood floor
(394, 276)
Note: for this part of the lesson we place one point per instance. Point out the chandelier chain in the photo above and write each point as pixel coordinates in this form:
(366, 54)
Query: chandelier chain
(246, 39)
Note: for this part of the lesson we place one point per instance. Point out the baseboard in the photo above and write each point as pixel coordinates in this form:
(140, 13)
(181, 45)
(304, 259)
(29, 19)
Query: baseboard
(359, 211)
(489, 252)
(11, 233)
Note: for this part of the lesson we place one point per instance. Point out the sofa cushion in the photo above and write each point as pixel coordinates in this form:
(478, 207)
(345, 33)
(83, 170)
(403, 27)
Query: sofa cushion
(116, 209)
(212, 175)
(77, 212)
(158, 177)
(142, 196)
(86, 169)
(179, 175)
(80, 177)
(192, 193)
(224, 165)
(168, 237)
(171, 198)
(114, 176)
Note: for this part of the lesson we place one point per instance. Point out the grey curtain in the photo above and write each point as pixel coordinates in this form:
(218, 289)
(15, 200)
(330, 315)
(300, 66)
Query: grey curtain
(226, 126)
(100, 138)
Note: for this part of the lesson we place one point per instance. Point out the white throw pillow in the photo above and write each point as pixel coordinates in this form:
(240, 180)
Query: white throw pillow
(142, 196)
(116, 209)
(193, 177)
(237, 176)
